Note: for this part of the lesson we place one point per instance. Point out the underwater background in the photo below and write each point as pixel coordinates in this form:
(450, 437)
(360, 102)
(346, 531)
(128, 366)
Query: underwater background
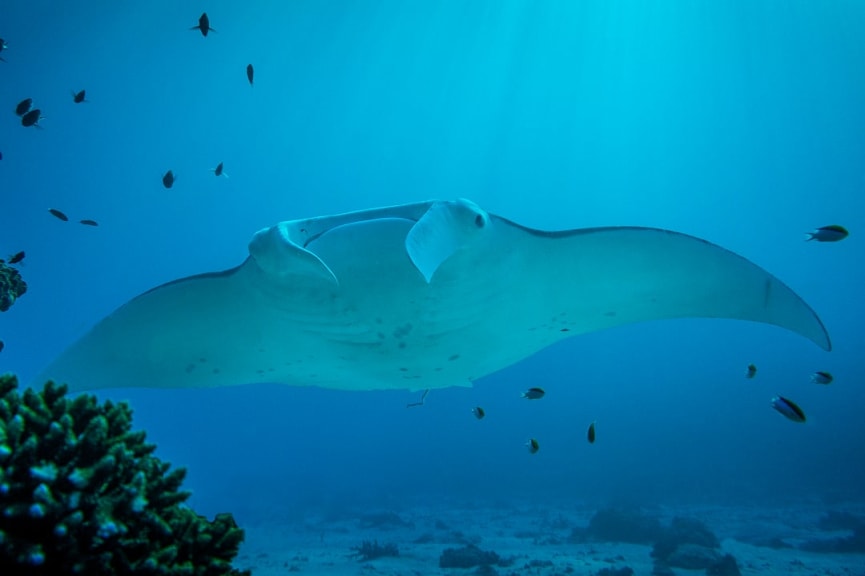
(741, 122)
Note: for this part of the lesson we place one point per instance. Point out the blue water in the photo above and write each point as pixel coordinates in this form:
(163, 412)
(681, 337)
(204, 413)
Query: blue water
(739, 122)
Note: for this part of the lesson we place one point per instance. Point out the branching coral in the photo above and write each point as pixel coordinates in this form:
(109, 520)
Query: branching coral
(11, 286)
(81, 493)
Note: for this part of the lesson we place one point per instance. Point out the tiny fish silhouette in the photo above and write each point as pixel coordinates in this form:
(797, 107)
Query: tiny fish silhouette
(832, 233)
(168, 179)
(3, 46)
(32, 118)
(218, 171)
(78, 97)
(17, 257)
(750, 371)
(590, 435)
(822, 377)
(58, 214)
(478, 412)
(24, 106)
(250, 72)
(89, 222)
(533, 446)
(203, 25)
(534, 393)
(789, 409)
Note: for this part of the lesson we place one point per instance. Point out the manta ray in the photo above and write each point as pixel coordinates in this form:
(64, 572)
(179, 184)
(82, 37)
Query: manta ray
(415, 296)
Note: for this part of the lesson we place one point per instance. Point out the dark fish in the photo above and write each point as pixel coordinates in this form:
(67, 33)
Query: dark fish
(24, 106)
(821, 377)
(16, 258)
(788, 408)
(750, 371)
(534, 393)
(533, 446)
(478, 412)
(89, 222)
(31, 118)
(3, 46)
(78, 97)
(59, 214)
(590, 435)
(168, 179)
(2, 345)
(250, 72)
(832, 233)
(203, 25)
(218, 171)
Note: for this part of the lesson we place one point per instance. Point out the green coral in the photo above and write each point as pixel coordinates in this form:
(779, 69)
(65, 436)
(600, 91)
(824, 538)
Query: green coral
(11, 286)
(81, 493)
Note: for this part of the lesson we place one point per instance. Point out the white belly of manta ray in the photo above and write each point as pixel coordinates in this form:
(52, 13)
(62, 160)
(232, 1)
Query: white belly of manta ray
(424, 295)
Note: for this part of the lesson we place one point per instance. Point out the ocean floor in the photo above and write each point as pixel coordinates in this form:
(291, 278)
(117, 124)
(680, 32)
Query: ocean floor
(548, 541)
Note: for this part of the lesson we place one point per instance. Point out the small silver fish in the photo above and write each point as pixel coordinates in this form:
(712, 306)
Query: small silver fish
(788, 408)
(533, 446)
(832, 233)
(478, 412)
(821, 377)
(750, 371)
(534, 394)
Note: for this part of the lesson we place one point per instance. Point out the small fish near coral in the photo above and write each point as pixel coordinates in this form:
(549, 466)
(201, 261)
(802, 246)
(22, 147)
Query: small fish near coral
(533, 446)
(533, 394)
(479, 412)
(422, 285)
(750, 371)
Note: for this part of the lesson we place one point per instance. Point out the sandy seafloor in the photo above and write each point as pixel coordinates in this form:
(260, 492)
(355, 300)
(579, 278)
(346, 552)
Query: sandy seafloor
(536, 539)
